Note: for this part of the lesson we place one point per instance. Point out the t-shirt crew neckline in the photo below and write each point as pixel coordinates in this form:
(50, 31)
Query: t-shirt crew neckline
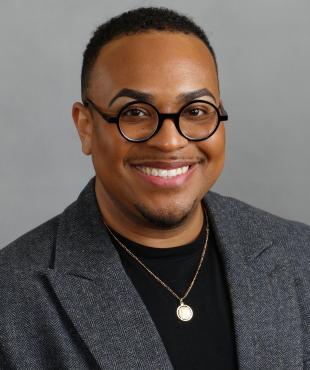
(181, 251)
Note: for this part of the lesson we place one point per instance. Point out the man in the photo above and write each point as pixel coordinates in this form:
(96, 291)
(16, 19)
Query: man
(149, 269)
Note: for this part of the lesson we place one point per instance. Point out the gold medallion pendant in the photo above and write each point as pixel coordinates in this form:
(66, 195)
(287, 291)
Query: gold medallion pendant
(184, 312)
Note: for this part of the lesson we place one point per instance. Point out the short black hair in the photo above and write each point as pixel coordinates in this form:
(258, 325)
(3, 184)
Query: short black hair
(136, 21)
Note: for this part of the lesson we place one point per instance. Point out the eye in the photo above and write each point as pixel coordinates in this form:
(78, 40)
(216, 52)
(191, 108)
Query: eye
(196, 111)
(133, 112)
(138, 112)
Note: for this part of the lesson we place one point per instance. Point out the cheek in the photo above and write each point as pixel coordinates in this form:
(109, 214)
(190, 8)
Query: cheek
(214, 151)
(109, 150)
(214, 148)
(109, 153)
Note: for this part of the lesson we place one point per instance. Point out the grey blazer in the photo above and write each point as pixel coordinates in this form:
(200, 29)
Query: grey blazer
(67, 303)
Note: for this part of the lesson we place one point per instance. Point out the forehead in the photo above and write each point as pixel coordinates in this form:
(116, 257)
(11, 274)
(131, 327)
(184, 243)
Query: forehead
(155, 62)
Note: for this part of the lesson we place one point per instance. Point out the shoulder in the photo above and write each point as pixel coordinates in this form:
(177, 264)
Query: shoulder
(249, 214)
(294, 236)
(32, 250)
(35, 250)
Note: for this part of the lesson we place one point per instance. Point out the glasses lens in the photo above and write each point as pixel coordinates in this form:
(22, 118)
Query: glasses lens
(138, 121)
(198, 120)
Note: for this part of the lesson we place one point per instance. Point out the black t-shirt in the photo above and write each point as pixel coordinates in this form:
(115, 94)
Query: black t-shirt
(207, 340)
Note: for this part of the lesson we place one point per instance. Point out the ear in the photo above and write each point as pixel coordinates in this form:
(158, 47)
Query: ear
(84, 125)
(221, 105)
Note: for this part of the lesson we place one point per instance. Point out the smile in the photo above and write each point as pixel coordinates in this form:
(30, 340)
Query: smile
(164, 173)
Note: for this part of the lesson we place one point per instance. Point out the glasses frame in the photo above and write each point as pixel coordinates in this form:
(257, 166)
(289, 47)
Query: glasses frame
(221, 115)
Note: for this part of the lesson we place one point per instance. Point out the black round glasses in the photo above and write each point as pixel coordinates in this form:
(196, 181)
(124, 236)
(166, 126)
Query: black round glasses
(138, 121)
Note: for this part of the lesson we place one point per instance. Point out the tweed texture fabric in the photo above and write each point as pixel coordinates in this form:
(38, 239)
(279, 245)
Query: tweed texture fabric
(67, 303)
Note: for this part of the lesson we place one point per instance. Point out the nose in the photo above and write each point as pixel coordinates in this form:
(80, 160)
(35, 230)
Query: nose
(168, 139)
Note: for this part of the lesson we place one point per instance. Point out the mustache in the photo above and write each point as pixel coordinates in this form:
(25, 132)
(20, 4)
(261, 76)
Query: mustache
(161, 158)
(162, 161)
(165, 158)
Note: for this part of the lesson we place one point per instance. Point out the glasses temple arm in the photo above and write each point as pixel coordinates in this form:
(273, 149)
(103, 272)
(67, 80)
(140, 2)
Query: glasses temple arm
(223, 113)
(106, 117)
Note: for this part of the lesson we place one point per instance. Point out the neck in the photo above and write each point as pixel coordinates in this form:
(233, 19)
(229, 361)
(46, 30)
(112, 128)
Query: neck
(141, 232)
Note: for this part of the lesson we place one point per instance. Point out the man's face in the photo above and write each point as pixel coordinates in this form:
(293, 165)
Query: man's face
(167, 67)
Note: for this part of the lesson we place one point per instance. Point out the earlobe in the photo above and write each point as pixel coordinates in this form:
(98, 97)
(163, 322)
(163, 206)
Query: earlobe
(83, 124)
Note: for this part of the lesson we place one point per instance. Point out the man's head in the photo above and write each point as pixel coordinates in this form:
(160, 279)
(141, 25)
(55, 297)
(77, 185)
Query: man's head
(165, 59)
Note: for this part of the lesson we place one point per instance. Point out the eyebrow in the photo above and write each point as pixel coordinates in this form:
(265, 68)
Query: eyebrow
(135, 94)
(191, 95)
(183, 97)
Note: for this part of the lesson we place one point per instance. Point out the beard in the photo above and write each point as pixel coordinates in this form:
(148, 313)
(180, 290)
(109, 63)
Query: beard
(169, 217)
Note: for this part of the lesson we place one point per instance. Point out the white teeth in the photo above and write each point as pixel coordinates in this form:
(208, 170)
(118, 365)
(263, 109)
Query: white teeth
(163, 173)
(172, 173)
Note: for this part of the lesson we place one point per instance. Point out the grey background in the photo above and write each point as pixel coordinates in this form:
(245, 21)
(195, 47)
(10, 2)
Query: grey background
(264, 61)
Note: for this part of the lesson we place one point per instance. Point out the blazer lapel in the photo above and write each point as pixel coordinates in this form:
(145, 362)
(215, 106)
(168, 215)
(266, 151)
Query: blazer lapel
(265, 310)
(97, 296)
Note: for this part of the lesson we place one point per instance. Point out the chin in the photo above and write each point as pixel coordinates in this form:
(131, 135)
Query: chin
(167, 217)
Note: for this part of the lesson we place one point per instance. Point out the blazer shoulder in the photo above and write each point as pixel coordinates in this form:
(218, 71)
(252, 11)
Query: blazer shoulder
(32, 250)
(293, 234)
(236, 207)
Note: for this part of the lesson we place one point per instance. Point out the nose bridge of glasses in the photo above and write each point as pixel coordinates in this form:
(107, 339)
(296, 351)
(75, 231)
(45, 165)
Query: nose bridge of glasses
(170, 116)
(168, 135)
(174, 119)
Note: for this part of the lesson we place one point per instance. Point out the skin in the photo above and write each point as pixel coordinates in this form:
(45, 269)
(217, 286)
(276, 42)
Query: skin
(164, 65)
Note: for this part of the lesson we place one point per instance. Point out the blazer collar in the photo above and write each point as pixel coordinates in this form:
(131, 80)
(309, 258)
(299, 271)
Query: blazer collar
(100, 299)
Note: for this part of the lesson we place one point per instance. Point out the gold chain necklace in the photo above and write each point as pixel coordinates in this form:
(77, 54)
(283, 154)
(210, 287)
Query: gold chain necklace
(184, 311)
